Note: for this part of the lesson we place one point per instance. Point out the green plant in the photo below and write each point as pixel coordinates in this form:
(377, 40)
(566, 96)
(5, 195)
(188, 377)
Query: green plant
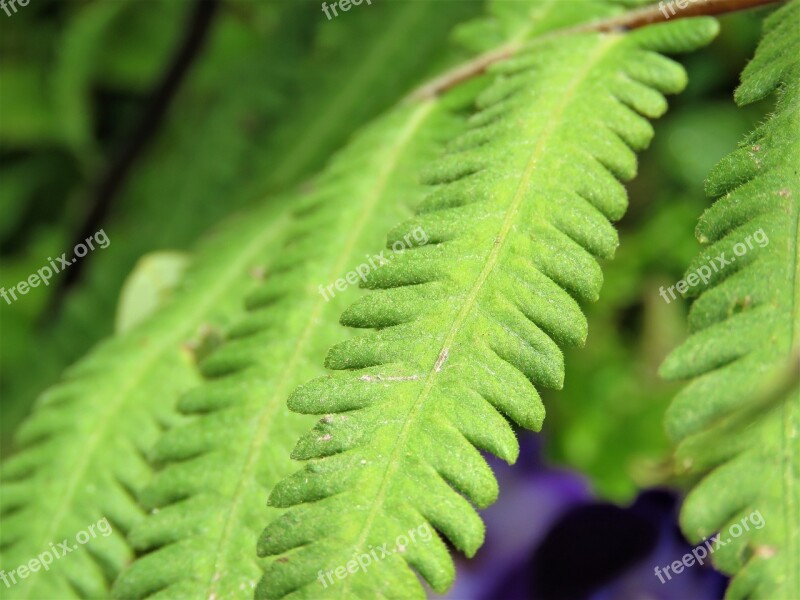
(218, 468)
(469, 325)
(498, 183)
(739, 418)
(82, 453)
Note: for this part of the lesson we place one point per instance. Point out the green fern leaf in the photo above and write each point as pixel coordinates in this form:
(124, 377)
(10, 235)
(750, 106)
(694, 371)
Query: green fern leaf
(208, 498)
(469, 325)
(81, 456)
(737, 422)
(182, 557)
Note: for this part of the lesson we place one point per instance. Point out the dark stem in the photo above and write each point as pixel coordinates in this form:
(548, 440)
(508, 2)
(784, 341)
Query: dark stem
(109, 185)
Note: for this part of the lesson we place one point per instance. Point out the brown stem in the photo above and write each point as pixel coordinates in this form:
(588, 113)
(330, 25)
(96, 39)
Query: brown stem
(463, 72)
(663, 11)
(658, 13)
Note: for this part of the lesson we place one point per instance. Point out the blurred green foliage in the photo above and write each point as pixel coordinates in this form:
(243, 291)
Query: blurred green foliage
(76, 79)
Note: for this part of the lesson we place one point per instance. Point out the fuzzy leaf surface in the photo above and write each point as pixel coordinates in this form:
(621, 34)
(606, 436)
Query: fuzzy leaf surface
(208, 499)
(82, 452)
(468, 326)
(737, 422)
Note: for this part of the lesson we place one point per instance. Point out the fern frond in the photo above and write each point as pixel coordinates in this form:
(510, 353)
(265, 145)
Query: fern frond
(82, 451)
(738, 421)
(468, 326)
(208, 499)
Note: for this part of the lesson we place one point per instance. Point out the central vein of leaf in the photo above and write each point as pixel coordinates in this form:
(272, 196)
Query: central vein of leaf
(394, 460)
(288, 375)
(150, 360)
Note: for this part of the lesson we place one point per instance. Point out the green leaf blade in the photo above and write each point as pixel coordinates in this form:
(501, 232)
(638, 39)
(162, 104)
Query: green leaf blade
(216, 470)
(82, 453)
(519, 209)
(736, 423)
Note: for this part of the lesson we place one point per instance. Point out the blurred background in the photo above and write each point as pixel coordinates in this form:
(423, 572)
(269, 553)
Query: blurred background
(124, 114)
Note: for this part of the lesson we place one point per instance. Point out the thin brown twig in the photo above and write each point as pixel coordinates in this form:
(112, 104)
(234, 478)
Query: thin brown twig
(464, 71)
(657, 13)
(665, 11)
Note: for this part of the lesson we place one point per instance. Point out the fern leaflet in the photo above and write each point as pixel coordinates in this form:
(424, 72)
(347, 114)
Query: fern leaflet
(738, 420)
(468, 325)
(513, 21)
(82, 451)
(208, 498)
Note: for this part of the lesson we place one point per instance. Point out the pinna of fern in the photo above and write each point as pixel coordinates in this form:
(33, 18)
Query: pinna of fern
(510, 22)
(82, 454)
(737, 422)
(468, 326)
(111, 471)
(207, 499)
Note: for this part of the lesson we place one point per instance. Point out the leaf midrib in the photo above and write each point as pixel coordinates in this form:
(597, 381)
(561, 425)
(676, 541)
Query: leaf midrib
(791, 419)
(156, 351)
(394, 459)
(281, 388)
